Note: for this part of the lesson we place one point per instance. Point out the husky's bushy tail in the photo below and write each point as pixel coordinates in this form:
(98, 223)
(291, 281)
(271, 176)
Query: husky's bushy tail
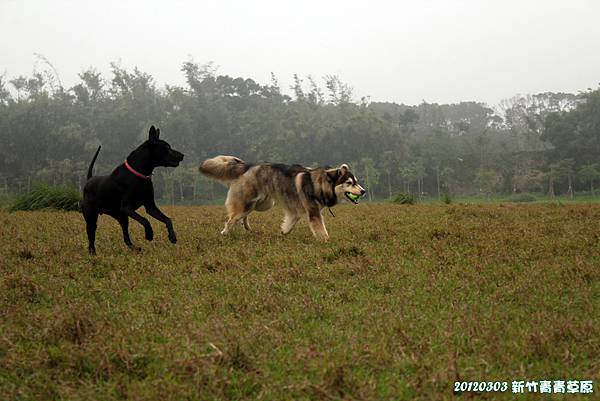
(224, 168)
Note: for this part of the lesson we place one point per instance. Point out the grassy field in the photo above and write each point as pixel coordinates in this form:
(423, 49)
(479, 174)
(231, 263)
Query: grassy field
(400, 303)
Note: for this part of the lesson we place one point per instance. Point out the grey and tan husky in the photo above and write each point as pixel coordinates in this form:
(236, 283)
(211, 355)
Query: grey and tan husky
(302, 191)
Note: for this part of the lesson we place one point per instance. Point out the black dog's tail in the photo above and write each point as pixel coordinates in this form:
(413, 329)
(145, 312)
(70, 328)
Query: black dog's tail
(92, 163)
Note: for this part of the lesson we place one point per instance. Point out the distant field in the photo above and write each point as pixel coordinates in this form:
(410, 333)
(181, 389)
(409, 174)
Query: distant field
(585, 197)
(402, 301)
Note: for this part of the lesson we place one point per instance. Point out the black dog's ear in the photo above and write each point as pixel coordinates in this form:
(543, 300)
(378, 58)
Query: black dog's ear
(153, 134)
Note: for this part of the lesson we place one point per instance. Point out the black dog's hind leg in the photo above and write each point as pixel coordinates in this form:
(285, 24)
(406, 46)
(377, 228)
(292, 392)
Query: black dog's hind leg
(91, 222)
(140, 219)
(124, 222)
(155, 212)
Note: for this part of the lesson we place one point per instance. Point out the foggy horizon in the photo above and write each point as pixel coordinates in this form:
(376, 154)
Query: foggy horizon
(403, 53)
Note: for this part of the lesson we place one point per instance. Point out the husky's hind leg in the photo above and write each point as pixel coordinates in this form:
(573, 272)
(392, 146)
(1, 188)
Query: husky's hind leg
(264, 204)
(231, 222)
(237, 209)
(289, 221)
(235, 214)
(260, 206)
(245, 222)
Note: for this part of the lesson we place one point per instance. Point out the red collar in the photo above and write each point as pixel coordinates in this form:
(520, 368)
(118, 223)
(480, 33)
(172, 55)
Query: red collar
(137, 174)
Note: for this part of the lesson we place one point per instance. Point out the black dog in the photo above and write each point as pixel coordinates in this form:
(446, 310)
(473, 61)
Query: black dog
(127, 188)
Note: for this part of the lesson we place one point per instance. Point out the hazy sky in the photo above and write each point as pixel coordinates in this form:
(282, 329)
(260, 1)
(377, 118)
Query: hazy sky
(403, 51)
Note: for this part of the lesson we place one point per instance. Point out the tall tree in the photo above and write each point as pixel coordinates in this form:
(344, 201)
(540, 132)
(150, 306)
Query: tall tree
(590, 173)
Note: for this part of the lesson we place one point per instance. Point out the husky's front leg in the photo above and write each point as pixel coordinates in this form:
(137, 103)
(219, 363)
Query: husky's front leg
(317, 226)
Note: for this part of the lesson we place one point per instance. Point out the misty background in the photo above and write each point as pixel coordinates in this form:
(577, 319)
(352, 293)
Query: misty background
(462, 98)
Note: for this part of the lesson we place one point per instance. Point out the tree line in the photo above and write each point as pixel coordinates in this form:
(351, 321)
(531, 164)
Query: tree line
(545, 143)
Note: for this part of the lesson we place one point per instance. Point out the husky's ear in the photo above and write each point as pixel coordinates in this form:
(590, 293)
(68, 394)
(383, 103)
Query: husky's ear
(343, 171)
(333, 174)
(153, 134)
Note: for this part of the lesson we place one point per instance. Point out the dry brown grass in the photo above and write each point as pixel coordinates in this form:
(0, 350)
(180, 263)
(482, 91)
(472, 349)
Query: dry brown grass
(400, 303)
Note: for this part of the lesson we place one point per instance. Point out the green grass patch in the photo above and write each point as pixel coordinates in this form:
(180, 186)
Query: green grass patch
(522, 197)
(44, 196)
(404, 199)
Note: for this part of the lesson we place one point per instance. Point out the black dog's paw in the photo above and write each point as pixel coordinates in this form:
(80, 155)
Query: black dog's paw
(173, 238)
(149, 235)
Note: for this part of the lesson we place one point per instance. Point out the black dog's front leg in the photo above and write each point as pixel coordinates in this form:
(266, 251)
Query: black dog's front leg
(155, 212)
(140, 219)
(124, 222)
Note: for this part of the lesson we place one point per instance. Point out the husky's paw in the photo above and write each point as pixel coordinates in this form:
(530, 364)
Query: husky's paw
(322, 237)
(149, 234)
